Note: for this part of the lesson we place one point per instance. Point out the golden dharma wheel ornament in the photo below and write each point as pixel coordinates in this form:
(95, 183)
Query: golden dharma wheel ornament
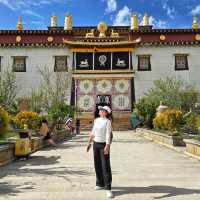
(162, 37)
(102, 28)
(18, 38)
(197, 37)
(50, 39)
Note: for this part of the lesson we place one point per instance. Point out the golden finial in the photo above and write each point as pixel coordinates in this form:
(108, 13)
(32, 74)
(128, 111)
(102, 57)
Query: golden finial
(146, 20)
(102, 28)
(195, 24)
(53, 21)
(68, 22)
(134, 22)
(20, 24)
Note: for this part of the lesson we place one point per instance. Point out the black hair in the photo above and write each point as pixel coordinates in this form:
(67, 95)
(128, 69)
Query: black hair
(45, 121)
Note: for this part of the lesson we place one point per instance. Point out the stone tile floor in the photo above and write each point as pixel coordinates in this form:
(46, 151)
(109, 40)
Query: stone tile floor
(142, 170)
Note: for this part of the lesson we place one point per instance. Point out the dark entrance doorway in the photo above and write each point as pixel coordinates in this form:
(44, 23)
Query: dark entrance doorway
(102, 100)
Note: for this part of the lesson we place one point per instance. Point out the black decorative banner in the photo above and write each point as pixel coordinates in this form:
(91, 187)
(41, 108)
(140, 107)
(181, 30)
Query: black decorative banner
(102, 61)
(84, 61)
(120, 60)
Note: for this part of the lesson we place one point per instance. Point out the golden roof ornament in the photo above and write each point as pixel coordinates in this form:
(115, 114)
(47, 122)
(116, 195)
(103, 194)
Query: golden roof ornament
(195, 24)
(50, 39)
(162, 37)
(90, 34)
(134, 22)
(18, 38)
(114, 34)
(197, 37)
(102, 28)
(146, 20)
(20, 24)
(68, 22)
(53, 21)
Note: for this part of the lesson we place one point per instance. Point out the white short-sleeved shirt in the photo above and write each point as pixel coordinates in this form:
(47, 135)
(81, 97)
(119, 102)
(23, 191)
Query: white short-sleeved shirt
(102, 130)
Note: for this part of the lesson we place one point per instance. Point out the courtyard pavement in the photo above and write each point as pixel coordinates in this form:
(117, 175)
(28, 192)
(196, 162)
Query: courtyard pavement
(142, 170)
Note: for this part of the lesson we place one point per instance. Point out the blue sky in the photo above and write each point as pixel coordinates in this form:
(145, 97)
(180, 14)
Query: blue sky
(36, 13)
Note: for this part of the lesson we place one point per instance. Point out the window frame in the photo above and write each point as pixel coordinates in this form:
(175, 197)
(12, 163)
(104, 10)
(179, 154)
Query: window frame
(148, 56)
(14, 61)
(66, 63)
(187, 64)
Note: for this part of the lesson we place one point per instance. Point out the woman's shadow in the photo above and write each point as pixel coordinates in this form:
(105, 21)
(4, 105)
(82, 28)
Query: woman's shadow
(168, 191)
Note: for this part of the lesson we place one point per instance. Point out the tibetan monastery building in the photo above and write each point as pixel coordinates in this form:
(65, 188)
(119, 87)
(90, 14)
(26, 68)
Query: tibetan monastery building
(106, 65)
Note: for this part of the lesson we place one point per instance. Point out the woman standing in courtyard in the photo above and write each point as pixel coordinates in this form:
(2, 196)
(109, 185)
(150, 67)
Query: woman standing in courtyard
(101, 137)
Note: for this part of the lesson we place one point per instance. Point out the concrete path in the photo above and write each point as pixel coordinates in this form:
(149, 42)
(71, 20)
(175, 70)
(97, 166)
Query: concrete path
(142, 170)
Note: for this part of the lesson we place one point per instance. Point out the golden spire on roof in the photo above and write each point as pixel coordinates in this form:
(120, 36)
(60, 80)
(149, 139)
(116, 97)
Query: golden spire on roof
(195, 24)
(19, 24)
(68, 22)
(146, 20)
(53, 21)
(134, 22)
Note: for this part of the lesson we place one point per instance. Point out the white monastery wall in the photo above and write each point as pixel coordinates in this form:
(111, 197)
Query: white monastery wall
(37, 58)
(163, 65)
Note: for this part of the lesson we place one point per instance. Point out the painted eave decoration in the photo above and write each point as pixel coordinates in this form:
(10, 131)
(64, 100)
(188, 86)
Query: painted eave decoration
(101, 36)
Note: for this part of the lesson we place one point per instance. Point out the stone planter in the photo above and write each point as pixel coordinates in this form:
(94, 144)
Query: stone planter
(162, 138)
(36, 144)
(6, 153)
(193, 147)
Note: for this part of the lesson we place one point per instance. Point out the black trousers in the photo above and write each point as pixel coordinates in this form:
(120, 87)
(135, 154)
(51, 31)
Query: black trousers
(102, 166)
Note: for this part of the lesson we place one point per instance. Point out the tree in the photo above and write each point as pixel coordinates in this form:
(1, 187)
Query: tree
(8, 89)
(174, 93)
(54, 87)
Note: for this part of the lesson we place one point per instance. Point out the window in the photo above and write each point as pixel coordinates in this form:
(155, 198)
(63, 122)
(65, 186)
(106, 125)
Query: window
(181, 62)
(19, 64)
(144, 63)
(60, 64)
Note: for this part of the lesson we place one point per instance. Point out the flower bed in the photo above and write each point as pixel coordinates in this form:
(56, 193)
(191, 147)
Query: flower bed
(162, 138)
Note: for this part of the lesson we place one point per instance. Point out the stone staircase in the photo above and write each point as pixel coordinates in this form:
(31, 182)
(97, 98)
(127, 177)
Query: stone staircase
(121, 121)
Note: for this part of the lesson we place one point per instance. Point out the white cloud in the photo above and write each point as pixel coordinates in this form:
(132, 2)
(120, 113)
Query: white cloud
(32, 13)
(24, 4)
(171, 12)
(157, 23)
(123, 17)
(111, 6)
(196, 10)
(7, 4)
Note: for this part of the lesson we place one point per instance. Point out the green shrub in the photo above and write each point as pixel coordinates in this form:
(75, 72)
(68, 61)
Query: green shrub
(146, 110)
(61, 110)
(169, 120)
(174, 93)
(4, 120)
(191, 124)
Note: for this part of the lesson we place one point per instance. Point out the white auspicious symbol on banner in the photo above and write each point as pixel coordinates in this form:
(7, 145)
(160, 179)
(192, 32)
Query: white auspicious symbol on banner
(86, 86)
(84, 63)
(121, 102)
(102, 60)
(120, 63)
(86, 102)
(122, 86)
